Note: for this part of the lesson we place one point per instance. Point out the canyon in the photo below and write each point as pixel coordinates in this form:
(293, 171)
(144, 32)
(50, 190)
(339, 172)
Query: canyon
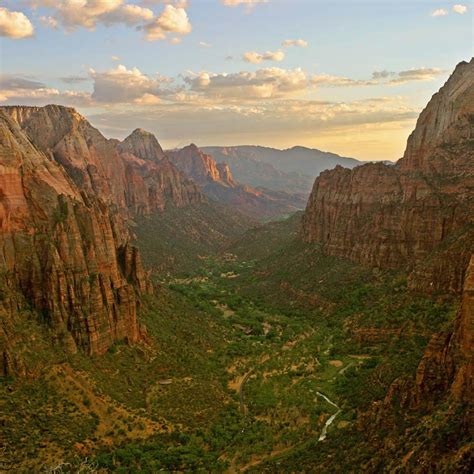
(349, 325)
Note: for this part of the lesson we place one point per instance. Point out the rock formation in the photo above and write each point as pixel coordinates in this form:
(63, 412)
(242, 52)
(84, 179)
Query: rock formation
(218, 184)
(200, 166)
(59, 251)
(66, 195)
(142, 144)
(414, 214)
(131, 175)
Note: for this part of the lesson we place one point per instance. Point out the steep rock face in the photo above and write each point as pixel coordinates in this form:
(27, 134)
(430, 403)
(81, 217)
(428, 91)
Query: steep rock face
(442, 390)
(414, 213)
(201, 167)
(217, 183)
(129, 175)
(292, 170)
(59, 251)
(142, 144)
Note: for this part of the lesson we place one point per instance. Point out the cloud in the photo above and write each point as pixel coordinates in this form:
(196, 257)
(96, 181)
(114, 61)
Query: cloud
(265, 83)
(175, 3)
(73, 14)
(286, 122)
(383, 74)
(420, 74)
(115, 58)
(461, 9)
(49, 21)
(337, 81)
(439, 12)
(295, 42)
(20, 90)
(15, 25)
(203, 44)
(256, 58)
(172, 20)
(129, 15)
(10, 82)
(383, 77)
(121, 85)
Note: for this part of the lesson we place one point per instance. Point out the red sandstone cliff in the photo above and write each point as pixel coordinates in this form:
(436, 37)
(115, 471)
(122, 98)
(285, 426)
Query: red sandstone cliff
(130, 175)
(418, 213)
(66, 193)
(66, 253)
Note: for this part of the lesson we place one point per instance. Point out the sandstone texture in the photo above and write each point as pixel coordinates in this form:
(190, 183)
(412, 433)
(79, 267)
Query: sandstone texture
(67, 195)
(417, 214)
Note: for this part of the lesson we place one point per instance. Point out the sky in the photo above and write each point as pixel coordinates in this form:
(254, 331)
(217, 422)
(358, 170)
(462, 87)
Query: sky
(345, 76)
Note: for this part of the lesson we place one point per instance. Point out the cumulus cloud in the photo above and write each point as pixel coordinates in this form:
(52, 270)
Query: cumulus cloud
(73, 14)
(461, 9)
(15, 25)
(439, 12)
(172, 20)
(122, 85)
(256, 58)
(265, 83)
(295, 42)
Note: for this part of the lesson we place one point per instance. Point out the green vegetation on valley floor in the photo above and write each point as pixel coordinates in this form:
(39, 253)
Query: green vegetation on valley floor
(241, 357)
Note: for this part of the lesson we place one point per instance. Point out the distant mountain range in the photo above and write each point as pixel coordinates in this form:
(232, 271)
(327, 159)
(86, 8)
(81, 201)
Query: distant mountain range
(217, 182)
(292, 170)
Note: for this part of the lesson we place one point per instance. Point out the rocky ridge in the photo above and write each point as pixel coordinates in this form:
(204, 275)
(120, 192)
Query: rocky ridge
(132, 175)
(218, 184)
(64, 252)
(414, 214)
(66, 197)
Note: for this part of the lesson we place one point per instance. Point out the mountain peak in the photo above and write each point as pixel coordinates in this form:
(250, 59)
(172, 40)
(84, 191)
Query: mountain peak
(142, 144)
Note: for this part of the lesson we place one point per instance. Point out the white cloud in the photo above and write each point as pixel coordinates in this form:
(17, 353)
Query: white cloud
(122, 85)
(115, 58)
(256, 58)
(172, 20)
(203, 44)
(15, 25)
(265, 83)
(295, 42)
(439, 12)
(461, 9)
(128, 14)
(73, 14)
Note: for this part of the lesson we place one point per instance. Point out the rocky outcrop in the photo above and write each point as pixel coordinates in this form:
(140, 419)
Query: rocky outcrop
(292, 170)
(414, 214)
(142, 144)
(218, 184)
(60, 248)
(130, 175)
(201, 167)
